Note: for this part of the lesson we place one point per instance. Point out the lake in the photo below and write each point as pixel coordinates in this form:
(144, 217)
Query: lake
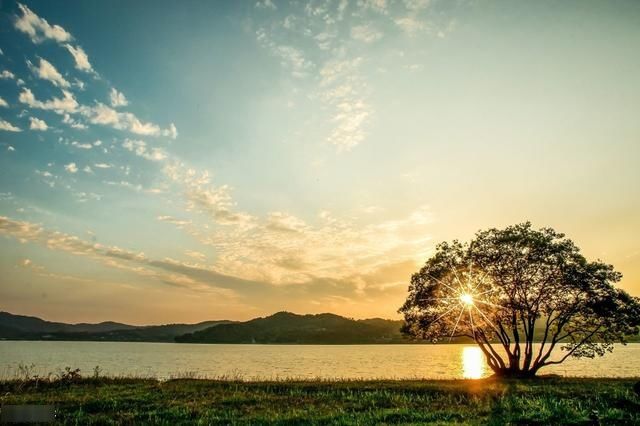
(164, 360)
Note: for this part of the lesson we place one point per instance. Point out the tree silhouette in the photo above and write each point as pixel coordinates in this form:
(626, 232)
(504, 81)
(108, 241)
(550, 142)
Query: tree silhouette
(508, 288)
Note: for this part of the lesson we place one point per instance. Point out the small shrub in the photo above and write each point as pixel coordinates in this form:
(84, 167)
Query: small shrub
(96, 372)
(69, 376)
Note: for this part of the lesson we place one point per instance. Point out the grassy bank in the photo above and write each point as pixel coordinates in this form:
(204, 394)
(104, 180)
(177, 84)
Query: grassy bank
(192, 401)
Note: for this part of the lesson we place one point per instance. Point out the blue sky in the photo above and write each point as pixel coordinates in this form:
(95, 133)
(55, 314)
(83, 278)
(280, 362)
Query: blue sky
(181, 161)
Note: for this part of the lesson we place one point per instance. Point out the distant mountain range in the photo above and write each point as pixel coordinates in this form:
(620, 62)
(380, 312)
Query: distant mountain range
(20, 327)
(279, 328)
(282, 327)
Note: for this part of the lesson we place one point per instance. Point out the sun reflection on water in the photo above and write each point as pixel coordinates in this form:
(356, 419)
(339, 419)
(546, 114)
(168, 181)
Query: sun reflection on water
(472, 362)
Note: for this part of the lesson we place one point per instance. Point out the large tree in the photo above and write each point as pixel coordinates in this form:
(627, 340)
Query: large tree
(509, 288)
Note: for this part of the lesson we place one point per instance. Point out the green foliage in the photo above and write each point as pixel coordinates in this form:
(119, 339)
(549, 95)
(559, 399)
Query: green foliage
(184, 401)
(69, 375)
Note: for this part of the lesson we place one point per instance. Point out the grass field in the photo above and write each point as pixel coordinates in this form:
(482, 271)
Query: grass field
(195, 401)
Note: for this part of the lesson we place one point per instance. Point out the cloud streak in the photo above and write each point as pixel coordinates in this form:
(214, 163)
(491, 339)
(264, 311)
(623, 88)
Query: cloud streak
(38, 29)
(8, 127)
(171, 271)
(282, 248)
(140, 149)
(117, 98)
(46, 71)
(37, 124)
(66, 104)
(107, 116)
(80, 57)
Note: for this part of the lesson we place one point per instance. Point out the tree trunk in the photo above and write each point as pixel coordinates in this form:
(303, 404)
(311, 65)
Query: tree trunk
(509, 373)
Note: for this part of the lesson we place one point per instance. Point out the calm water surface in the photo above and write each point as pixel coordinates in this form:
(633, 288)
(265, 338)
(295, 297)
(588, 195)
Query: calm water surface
(163, 360)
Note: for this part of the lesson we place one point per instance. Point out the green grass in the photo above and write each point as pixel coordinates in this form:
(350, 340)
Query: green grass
(541, 401)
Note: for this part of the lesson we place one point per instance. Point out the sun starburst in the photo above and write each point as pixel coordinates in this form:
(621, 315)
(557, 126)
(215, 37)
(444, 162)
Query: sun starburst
(466, 299)
(466, 296)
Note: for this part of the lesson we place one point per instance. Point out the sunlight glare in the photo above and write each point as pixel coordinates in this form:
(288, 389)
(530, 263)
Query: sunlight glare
(472, 362)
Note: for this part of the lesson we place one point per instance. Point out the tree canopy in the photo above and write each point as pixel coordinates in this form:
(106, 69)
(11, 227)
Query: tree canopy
(509, 288)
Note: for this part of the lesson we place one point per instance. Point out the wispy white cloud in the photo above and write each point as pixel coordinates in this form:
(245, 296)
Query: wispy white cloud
(171, 132)
(37, 124)
(325, 40)
(340, 84)
(282, 248)
(83, 197)
(290, 57)
(7, 75)
(140, 149)
(266, 4)
(175, 221)
(294, 59)
(107, 116)
(47, 71)
(124, 184)
(417, 4)
(379, 6)
(196, 255)
(117, 98)
(47, 177)
(310, 43)
(3, 103)
(5, 125)
(80, 57)
(203, 197)
(410, 24)
(44, 173)
(365, 33)
(71, 167)
(66, 104)
(81, 145)
(343, 89)
(67, 119)
(284, 222)
(167, 271)
(38, 29)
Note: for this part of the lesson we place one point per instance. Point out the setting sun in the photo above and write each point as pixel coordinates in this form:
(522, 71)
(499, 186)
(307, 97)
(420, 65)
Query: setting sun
(466, 299)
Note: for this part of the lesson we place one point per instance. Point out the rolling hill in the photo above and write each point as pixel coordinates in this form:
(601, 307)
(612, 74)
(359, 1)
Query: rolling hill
(286, 327)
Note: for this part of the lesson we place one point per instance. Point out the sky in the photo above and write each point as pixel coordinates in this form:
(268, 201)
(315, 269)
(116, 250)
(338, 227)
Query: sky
(166, 161)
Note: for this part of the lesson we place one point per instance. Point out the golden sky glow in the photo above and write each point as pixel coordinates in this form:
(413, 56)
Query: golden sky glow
(226, 161)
